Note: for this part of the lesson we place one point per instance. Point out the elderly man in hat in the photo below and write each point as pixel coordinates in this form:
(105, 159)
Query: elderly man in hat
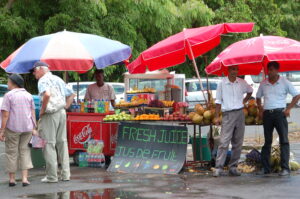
(18, 124)
(55, 97)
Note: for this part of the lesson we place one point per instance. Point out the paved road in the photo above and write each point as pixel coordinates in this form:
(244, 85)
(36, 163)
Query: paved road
(91, 183)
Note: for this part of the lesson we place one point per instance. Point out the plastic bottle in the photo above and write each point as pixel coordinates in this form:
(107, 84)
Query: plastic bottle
(85, 106)
(106, 106)
(82, 106)
(96, 106)
(89, 106)
(73, 106)
(92, 106)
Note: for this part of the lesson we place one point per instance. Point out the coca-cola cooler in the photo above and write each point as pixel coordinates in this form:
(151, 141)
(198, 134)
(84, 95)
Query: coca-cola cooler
(82, 127)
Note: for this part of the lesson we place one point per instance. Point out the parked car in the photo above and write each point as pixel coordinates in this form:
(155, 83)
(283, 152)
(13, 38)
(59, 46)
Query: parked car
(118, 87)
(194, 93)
(293, 77)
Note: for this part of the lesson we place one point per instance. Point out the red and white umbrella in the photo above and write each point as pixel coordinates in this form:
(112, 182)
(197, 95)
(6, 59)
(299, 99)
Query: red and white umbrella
(252, 55)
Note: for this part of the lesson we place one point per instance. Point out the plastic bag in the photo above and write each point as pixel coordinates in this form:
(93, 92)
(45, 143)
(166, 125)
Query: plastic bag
(37, 142)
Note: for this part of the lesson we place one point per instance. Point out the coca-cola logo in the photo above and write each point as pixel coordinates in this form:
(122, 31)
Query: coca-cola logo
(84, 136)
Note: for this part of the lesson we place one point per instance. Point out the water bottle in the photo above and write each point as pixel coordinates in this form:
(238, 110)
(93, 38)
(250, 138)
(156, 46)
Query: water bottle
(73, 106)
(96, 106)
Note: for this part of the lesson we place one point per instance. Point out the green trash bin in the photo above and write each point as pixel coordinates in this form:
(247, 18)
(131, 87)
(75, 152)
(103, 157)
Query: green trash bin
(206, 152)
(37, 158)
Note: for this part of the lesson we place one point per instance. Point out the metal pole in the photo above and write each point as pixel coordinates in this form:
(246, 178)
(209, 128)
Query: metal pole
(196, 68)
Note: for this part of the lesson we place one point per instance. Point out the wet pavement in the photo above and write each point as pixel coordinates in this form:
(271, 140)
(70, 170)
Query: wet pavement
(92, 183)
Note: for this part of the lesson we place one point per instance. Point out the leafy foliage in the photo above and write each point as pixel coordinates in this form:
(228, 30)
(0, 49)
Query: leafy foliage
(141, 23)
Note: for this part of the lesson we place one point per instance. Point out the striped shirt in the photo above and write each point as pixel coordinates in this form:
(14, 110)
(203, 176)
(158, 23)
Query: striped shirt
(19, 103)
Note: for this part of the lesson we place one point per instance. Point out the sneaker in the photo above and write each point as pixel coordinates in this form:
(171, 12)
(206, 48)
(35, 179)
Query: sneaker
(284, 172)
(217, 172)
(234, 172)
(46, 180)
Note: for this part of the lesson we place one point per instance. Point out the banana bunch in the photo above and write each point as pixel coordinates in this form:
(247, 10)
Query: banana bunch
(245, 168)
(275, 160)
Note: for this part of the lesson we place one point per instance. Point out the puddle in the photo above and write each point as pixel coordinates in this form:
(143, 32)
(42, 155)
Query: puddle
(87, 194)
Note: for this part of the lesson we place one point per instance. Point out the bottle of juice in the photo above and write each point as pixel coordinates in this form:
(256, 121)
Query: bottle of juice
(106, 106)
(82, 106)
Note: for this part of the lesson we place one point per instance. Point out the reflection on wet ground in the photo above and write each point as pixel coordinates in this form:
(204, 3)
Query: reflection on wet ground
(87, 194)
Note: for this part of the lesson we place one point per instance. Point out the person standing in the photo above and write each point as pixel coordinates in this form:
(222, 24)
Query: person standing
(100, 90)
(55, 98)
(230, 99)
(18, 124)
(274, 91)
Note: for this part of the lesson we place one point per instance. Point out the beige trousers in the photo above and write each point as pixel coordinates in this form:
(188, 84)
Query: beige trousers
(17, 151)
(233, 128)
(52, 128)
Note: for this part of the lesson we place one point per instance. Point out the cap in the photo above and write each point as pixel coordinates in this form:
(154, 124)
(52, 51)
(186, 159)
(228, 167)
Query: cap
(38, 64)
(17, 79)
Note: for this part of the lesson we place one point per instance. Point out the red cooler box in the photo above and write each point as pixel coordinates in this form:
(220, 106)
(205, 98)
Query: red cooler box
(81, 127)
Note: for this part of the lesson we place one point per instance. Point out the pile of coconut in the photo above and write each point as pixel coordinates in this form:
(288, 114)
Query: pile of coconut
(252, 113)
(206, 116)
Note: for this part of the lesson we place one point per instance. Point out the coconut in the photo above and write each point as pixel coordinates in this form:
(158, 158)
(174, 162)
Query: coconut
(249, 120)
(207, 114)
(206, 121)
(197, 118)
(215, 121)
(252, 102)
(191, 115)
(199, 109)
(245, 112)
(253, 111)
(294, 165)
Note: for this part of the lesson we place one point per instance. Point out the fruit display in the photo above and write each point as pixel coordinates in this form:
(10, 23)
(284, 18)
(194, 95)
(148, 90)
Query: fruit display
(145, 90)
(176, 116)
(118, 117)
(156, 104)
(251, 113)
(135, 101)
(147, 117)
(203, 116)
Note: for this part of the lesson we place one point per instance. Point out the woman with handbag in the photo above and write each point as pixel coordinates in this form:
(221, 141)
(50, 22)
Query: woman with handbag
(18, 125)
(55, 98)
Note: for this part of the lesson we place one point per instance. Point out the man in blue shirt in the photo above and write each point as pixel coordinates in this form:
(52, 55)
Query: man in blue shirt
(55, 98)
(274, 90)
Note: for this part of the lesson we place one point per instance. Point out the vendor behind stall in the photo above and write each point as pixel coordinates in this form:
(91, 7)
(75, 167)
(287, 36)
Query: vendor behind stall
(100, 90)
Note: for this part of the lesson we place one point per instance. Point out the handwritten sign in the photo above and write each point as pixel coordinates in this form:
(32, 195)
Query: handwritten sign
(145, 148)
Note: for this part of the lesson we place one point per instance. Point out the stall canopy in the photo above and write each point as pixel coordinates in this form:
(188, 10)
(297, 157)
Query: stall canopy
(252, 55)
(67, 51)
(190, 42)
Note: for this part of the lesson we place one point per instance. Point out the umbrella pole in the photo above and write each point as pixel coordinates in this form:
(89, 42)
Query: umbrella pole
(78, 89)
(197, 73)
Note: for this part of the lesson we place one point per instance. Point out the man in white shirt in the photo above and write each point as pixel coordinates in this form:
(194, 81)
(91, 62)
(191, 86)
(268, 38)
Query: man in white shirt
(100, 90)
(274, 90)
(230, 99)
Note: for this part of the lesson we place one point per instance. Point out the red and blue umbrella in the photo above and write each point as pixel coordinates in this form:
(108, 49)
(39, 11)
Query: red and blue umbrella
(67, 51)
